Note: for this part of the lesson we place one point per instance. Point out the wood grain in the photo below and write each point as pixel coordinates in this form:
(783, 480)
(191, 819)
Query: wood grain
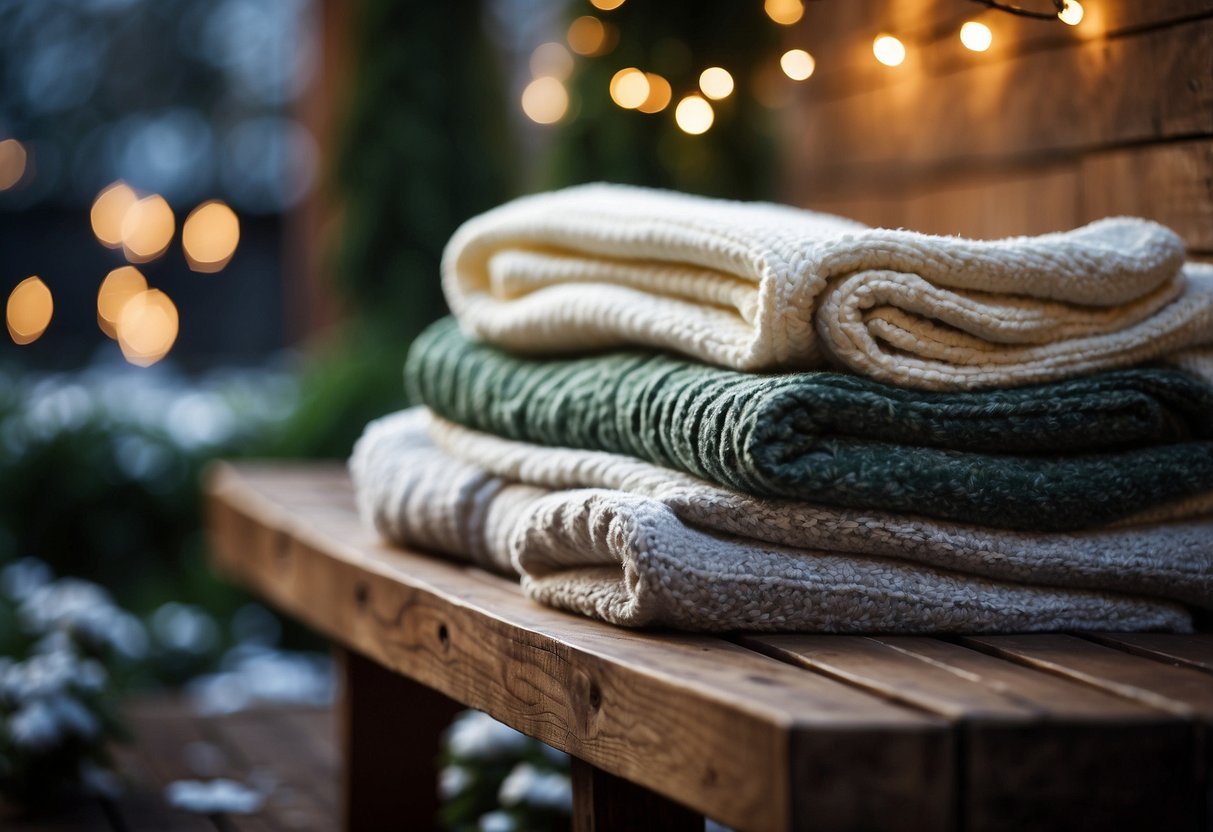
(603, 802)
(693, 718)
(1189, 650)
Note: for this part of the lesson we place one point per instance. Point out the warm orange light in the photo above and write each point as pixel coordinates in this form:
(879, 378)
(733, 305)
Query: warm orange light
(147, 327)
(545, 100)
(889, 50)
(784, 12)
(12, 163)
(606, 5)
(147, 229)
(109, 209)
(1071, 13)
(629, 88)
(797, 64)
(716, 82)
(587, 35)
(660, 93)
(119, 286)
(551, 59)
(210, 236)
(976, 36)
(694, 115)
(29, 311)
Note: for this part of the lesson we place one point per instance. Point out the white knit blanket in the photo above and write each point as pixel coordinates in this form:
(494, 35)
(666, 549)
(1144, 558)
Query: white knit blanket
(632, 559)
(755, 286)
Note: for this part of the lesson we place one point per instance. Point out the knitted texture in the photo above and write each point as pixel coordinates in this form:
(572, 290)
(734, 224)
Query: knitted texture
(631, 560)
(755, 286)
(1062, 456)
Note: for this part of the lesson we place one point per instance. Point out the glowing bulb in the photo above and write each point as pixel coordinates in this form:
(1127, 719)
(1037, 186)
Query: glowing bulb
(108, 211)
(147, 229)
(660, 93)
(587, 35)
(551, 59)
(716, 82)
(606, 5)
(694, 115)
(29, 311)
(119, 286)
(889, 50)
(210, 235)
(797, 64)
(147, 327)
(1071, 13)
(12, 163)
(629, 88)
(545, 100)
(784, 12)
(976, 36)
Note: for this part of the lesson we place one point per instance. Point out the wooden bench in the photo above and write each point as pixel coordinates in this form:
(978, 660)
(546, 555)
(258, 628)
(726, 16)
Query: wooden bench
(1103, 732)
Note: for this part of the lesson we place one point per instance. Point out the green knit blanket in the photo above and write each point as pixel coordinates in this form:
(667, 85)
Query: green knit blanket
(1051, 457)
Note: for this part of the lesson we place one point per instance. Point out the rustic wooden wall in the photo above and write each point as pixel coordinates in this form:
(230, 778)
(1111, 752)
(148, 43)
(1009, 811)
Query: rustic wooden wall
(1052, 127)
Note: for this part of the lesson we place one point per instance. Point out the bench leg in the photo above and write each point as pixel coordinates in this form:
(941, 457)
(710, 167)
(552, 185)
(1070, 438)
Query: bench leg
(605, 803)
(391, 729)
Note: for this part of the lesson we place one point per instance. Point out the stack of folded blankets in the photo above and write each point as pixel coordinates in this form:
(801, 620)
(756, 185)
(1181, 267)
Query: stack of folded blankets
(664, 410)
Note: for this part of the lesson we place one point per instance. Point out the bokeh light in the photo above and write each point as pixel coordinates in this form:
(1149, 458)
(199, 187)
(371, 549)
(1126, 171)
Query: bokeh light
(629, 88)
(147, 327)
(716, 82)
(109, 210)
(551, 59)
(1071, 15)
(210, 235)
(12, 163)
(888, 50)
(694, 115)
(29, 310)
(147, 229)
(606, 5)
(587, 35)
(797, 64)
(545, 100)
(119, 286)
(784, 12)
(660, 93)
(975, 36)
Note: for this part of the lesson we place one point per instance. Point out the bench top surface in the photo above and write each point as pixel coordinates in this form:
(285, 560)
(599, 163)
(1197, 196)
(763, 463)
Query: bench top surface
(756, 731)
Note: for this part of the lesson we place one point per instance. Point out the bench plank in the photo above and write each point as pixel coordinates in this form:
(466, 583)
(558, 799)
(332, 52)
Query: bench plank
(1190, 650)
(693, 718)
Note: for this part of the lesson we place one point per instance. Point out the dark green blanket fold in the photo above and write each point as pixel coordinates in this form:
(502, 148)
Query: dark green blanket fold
(1050, 457)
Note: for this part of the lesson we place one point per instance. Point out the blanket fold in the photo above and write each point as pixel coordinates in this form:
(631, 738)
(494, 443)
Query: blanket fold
(630, 559)
(755, 286)
(1066, 455)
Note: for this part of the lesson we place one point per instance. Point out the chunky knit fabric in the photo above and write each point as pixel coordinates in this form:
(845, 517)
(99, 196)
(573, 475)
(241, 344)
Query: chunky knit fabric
(630, 559)
(754, 286)
(1062, 456)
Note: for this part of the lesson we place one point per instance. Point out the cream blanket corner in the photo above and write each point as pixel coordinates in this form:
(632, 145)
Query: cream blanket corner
(634, 559)
(755, 286)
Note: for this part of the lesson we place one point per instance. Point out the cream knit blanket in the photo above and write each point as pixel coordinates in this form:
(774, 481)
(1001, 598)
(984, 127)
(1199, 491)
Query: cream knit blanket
(755, 286)
(631, 559)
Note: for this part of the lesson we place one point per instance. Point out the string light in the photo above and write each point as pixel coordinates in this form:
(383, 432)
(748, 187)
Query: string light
(29, 310)
(716, 82)
(12, 163)
(1071, 13)
(108, 211)
(976, 36)
(147, 229)
(587, 36)
(784, 12)
(660, 93)
(629, 88)
(797, 64)
(694, 115)
(545, 100)
(119, 286)
(606, 5)
(210, 235)
(147, 327)
(551, 59)
(889, 50)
